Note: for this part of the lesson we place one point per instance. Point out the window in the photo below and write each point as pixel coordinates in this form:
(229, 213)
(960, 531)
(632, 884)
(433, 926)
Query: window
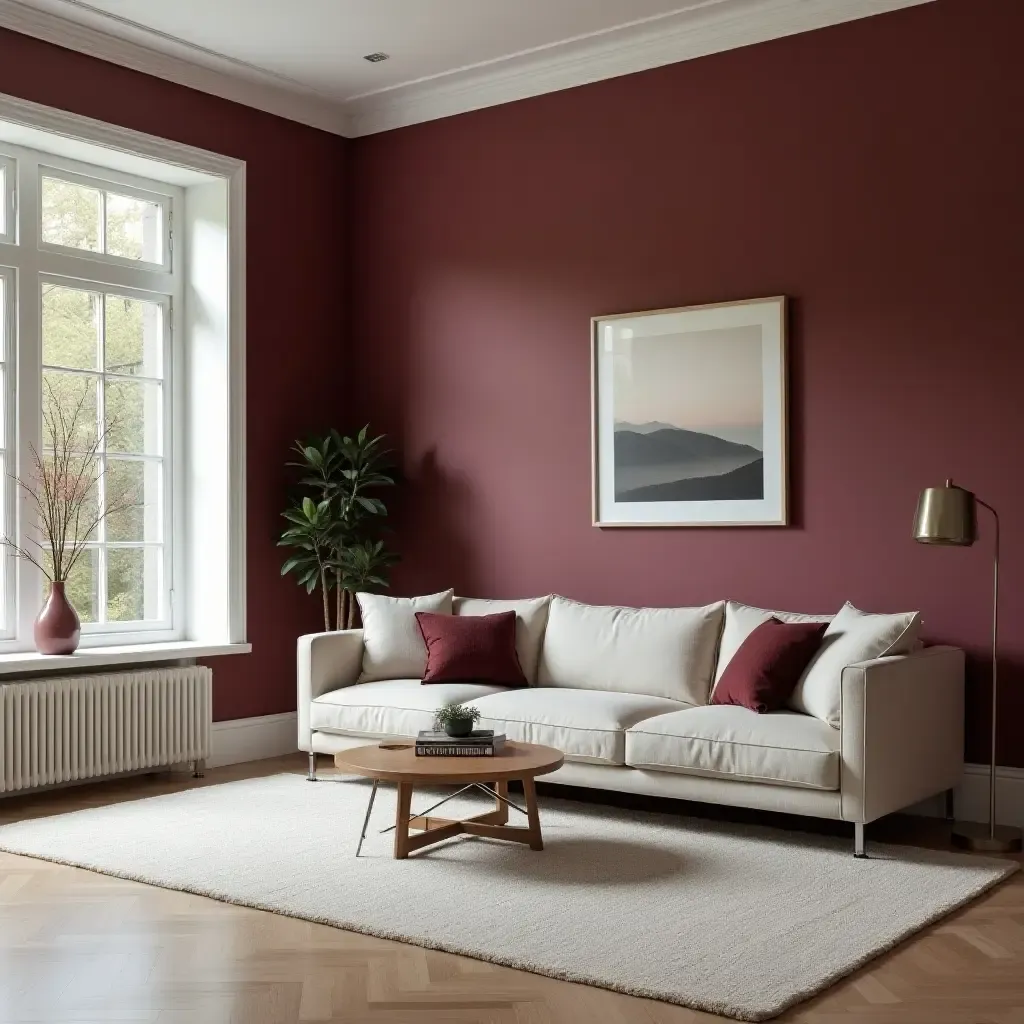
(81, 215)
(88, 291)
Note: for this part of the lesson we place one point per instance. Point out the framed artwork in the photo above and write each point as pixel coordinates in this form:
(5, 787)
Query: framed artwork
(689, 416)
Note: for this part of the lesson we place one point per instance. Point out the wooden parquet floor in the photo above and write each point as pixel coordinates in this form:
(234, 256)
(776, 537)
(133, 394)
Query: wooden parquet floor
(83, 948)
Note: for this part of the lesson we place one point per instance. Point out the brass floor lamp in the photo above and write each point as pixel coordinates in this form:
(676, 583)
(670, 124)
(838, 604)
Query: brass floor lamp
(948, 516)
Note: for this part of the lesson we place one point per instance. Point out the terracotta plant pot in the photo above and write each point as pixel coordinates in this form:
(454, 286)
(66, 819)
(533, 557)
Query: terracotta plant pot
(58, 628)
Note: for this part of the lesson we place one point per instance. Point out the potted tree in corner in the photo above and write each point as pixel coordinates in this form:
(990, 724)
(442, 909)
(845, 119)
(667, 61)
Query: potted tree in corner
(334, 525)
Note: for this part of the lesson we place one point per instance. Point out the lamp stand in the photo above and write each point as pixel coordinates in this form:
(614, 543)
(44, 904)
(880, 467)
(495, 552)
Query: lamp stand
(971, 835)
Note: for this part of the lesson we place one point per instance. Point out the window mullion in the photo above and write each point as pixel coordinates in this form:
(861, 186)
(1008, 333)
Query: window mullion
(101, 496)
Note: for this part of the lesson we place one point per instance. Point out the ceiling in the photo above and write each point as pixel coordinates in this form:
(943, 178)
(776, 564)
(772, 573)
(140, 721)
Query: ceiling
(304, 58)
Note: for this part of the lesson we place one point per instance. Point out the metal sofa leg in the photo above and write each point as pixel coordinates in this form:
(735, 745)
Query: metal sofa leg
(950, 815)
(858, 841)
(311, 777)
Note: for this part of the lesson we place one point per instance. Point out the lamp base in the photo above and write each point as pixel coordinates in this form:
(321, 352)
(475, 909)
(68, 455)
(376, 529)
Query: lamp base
(979, 837)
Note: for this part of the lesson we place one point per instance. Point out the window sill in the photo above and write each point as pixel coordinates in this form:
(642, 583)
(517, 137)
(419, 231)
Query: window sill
(102, 657)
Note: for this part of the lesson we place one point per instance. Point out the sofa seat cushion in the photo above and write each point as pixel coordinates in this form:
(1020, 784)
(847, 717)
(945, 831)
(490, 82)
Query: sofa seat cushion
(586, 725)
(389, 707)
(784, 748)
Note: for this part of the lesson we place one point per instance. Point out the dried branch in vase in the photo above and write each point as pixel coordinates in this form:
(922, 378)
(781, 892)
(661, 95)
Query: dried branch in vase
(65, 489)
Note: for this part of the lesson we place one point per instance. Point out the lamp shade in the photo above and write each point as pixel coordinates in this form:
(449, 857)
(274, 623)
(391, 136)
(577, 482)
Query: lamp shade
(946, 515)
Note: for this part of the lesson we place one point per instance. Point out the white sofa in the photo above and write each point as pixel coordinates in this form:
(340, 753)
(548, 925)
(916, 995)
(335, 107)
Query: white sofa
(624, 693)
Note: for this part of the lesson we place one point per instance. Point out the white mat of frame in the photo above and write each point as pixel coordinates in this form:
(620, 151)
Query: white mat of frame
(732, 919)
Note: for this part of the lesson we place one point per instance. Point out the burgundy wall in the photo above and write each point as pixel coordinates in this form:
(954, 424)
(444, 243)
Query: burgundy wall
(871, 171)
(295, 184)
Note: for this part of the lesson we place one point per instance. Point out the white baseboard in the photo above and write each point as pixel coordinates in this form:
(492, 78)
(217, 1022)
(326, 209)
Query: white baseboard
(253, 739)
(971, 799)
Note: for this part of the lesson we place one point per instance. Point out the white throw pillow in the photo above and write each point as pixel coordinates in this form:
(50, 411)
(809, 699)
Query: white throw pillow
(742, 619)
(393, 646)
(531, 618)
(852, 636)
(662, 652)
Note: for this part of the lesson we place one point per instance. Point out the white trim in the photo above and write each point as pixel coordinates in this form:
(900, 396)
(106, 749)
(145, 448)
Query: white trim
(129, 45)
(971, 798)
(129, 654)
(710, 27)
(253, 739)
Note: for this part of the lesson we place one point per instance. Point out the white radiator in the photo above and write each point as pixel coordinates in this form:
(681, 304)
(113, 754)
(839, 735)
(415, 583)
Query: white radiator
(66, 728)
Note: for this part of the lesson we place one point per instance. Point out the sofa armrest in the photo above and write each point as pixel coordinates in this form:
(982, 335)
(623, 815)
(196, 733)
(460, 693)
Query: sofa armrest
(326, 661)
(902, 731)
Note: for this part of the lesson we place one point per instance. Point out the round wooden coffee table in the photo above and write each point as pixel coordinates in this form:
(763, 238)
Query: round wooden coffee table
(397, 762)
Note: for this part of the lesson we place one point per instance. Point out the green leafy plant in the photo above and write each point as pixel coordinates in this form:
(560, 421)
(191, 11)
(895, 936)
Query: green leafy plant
(334, 524)
(453, 713)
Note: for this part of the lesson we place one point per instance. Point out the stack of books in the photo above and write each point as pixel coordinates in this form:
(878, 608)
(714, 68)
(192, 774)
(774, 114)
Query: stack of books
(479, 743)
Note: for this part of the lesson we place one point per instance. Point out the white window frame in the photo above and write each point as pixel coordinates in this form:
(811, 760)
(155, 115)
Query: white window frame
(102, 181)
(37, 263)
(213, 230)
(8, 333)
(9, 200)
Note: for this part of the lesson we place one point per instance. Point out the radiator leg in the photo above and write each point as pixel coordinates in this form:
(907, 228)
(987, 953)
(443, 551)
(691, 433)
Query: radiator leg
(311, 777)
(198, 768)
(950, 815)
(858, 841)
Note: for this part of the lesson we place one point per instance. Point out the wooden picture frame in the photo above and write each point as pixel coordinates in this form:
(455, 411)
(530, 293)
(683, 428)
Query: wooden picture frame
(689, 416)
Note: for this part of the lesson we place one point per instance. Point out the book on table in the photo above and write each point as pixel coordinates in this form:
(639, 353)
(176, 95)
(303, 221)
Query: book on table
(479, 743)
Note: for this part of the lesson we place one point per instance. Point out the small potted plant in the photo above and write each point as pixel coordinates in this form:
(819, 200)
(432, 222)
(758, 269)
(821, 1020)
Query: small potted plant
(457, 719)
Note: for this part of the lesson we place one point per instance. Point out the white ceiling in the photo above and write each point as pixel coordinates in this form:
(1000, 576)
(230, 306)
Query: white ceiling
(303, 58)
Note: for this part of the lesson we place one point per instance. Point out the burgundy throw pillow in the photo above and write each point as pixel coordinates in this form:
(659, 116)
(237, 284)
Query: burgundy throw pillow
(471, 649)
(764, 672)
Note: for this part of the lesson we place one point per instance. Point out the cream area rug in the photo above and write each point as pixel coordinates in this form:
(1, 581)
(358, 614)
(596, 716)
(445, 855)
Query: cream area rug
(737, 920)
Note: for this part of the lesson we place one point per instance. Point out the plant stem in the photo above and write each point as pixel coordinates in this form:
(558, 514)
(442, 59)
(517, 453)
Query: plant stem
(350, 620)
(339, 612)
(327, 604)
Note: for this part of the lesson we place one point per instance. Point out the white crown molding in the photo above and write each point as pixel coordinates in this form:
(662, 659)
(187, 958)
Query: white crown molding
(153, 53)
(694, 32)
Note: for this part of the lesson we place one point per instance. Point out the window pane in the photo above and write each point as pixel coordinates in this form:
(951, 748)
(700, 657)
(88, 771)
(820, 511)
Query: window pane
(133, 500)
(82, 588)
(69, 411)
(71, 327)
(3, 200)
(134, 229)
(133, 417)
(71, 214)
(133, 580)
(133, 338)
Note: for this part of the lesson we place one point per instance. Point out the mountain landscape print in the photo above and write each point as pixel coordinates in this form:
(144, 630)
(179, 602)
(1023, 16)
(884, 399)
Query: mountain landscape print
(688, 417)
(673, 464)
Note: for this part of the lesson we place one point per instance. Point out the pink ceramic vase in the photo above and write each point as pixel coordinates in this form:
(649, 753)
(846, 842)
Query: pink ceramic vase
(57, 629)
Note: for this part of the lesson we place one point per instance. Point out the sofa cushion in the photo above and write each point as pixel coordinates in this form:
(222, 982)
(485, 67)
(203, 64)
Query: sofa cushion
(586, 725)
(723, 741)
(662, 652)
(531, 619)
(471, 649)
(852, 636)
(390, 707)
(392, 645)
(742, 619)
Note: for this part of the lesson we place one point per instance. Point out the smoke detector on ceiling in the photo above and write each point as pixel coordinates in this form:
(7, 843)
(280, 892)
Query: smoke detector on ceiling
(376, 58)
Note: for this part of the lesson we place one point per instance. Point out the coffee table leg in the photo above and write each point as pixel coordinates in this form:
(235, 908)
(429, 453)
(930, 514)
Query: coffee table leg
(366, 820)
(530, 791)
(501, 795)
(402, 820)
